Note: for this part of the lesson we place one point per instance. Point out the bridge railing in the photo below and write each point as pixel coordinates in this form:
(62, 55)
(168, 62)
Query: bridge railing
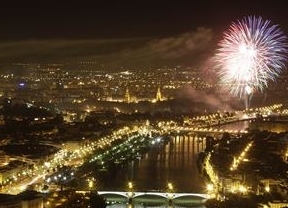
(162, 194)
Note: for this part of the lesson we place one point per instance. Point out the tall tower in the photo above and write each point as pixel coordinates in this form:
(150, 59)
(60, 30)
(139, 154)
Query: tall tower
(158, 95)
(127, 96)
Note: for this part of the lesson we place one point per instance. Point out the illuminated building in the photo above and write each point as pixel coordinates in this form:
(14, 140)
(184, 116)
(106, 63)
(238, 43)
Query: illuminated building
(158, 95)
(127, 96)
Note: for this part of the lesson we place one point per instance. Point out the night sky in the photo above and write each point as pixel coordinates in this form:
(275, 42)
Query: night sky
(138, 30)
(124, 18)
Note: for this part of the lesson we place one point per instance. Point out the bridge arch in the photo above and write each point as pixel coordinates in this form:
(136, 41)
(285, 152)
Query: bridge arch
(178, 195)
(139, 194)
(161, 194)
(119, 193)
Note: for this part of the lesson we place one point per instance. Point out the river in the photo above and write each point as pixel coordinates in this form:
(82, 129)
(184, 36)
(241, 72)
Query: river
(174, 162)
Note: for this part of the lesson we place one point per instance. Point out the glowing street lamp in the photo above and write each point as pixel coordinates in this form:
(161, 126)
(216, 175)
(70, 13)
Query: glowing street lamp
(130, 192)
(267, 188)
(130, 185)
(210, 187)
(170, 194)
(90, 184)
(242, 189)
(170, 187)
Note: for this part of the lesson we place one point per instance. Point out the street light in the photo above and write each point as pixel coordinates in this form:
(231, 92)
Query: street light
(170, 187)
(91, 183)
(170, 194)
(130, 185)
(267, 188)
(210, 187)
(130, 192)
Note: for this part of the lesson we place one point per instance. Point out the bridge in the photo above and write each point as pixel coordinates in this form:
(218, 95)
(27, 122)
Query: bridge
(167, 195)
(207, 130)
(151, 197)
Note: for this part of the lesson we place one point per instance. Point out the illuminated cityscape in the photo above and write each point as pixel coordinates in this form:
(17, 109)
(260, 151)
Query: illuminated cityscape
(139, 105)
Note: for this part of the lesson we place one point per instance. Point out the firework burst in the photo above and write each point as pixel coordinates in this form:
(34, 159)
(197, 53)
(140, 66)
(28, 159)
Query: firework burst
(252, 52)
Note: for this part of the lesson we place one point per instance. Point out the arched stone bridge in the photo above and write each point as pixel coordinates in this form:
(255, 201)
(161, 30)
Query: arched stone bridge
(161, 194)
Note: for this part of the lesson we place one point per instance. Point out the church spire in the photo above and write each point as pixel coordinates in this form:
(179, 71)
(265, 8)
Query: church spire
(127, 96)
(158, 95)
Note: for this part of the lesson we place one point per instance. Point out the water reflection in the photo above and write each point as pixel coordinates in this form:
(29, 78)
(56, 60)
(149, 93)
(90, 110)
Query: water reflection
(174, 162)
(237, 126)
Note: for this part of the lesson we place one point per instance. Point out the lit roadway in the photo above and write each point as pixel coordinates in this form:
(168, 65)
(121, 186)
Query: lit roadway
(21, 180)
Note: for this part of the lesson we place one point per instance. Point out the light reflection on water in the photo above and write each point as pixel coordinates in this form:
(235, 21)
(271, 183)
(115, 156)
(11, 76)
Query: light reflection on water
(242, 125)
(176, 162)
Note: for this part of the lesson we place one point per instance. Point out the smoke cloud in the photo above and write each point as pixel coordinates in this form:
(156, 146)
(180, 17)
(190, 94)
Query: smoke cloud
(189, 48)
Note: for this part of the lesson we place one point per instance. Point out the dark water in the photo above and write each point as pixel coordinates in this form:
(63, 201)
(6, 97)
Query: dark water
(175, 162)
(238, 126)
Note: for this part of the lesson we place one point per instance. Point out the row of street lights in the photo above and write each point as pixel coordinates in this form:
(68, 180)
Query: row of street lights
(130, 185)
(170, 187)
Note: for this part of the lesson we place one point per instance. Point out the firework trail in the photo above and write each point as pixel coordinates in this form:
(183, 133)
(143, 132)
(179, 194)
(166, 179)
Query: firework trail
(252, 52)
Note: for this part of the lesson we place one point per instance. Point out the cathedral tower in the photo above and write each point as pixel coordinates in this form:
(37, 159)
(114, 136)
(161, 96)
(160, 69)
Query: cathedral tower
(158, 95)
